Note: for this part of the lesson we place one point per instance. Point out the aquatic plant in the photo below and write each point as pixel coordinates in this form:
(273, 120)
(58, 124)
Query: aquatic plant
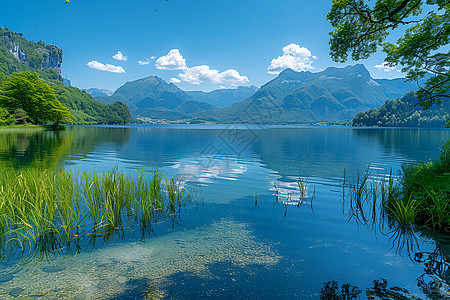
(256, 198)
(302, 184)
(425, 187)
(46, 210)
(277, 192)
(421, 196)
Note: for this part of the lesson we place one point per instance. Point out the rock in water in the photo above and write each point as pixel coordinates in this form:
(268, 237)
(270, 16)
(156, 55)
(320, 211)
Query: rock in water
(6, 278)
(15, 292)
(53, 269)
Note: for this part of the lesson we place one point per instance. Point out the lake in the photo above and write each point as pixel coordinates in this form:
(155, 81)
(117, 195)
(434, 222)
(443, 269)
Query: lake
(247, 231)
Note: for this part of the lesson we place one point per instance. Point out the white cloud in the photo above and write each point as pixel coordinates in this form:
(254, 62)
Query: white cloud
(197, 74)
(143, 62)
(384, 67)
(175, 80)
(172, 61)
(200, 74)
(120, 56)
(146, 61)
(295, 57)
(102, 67)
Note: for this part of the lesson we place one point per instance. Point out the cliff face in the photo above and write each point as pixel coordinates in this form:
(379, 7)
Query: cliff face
(31, 56)
(18, 53)
(52, 58)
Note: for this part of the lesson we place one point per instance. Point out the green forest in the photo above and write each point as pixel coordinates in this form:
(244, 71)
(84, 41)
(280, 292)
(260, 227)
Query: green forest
(405, 112)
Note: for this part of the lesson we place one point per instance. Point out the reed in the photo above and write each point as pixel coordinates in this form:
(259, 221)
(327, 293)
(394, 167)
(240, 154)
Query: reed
(420, 197)
(428, 183)
(277, 192)
(404, 211)
(48, 210)
(302, 185)
(256, 198)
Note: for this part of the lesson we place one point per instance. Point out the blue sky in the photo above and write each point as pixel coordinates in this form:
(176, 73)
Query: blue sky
(197, 44)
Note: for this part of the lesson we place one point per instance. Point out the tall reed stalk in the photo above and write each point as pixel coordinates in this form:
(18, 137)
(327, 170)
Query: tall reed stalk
(45, 210)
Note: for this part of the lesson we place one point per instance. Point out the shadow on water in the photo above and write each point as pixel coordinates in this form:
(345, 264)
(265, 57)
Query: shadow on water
(434, 282)
(225, 280)
(136, 289)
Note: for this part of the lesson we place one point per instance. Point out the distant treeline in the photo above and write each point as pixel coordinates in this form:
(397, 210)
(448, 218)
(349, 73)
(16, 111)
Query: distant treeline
(405, 112)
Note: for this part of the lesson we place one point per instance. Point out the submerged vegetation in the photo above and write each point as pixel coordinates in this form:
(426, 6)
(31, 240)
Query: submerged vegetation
(53, 211)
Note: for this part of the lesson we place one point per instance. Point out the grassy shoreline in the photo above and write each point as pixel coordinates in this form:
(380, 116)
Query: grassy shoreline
(424, 193)
(420, 198)
(21, 127)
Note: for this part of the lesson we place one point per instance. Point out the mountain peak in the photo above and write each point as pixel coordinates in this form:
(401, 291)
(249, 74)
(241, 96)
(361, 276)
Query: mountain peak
(152, 79)
(287, 72)
(358, 70)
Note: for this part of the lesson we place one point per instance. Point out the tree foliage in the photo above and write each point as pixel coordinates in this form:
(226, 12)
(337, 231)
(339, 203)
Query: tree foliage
(21, 116)
(361, 28)
(87, 110)
(38, 99)
(403, 113)
(6, 118)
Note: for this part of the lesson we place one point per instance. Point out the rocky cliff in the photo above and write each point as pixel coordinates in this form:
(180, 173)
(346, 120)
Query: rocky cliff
(28, 55)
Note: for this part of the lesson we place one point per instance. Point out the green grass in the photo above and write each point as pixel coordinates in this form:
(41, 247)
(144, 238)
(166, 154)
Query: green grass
(425, 189)
(48, 210)
(421, 197)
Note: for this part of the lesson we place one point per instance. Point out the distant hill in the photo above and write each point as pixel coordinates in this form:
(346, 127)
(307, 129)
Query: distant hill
(404, 113)
(87, 110)
(94, 92)
(153, 97)
(18, 54)
(223, 97)
(336, 94)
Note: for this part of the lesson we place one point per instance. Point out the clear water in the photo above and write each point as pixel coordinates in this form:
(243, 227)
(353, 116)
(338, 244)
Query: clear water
(225, 246)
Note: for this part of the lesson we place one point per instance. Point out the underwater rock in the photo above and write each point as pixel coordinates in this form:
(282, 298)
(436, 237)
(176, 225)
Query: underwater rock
(15, 292)
(53, 269)
(6, 278)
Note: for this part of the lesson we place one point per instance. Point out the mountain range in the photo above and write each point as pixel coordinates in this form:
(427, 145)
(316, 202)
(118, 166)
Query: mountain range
(223, 97)
(335, 94)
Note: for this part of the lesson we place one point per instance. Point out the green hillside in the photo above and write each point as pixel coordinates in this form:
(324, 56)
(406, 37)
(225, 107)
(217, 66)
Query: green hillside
(87, 110)
(404, 113)
(17, 54)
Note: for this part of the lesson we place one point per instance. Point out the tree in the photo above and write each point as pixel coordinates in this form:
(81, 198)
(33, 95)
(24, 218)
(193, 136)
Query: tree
(5, 117)
(362, 28)
(38, 99)
(21, 116)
